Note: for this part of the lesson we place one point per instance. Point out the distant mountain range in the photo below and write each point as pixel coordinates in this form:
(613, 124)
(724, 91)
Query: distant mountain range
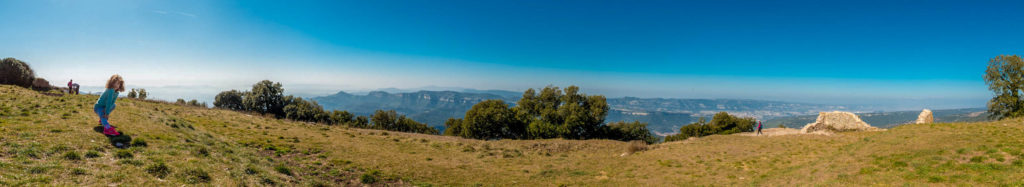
(890, 119)
(664, 116)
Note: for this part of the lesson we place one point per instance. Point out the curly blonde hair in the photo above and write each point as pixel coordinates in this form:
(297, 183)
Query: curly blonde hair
(116, 83)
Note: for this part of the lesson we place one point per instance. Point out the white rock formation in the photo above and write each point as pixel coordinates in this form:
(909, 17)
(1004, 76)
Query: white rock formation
(837, 122)
(925, 117)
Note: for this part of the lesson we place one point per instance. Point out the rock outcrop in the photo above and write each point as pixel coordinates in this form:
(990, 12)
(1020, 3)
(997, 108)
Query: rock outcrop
(837, 122)
(925, 117)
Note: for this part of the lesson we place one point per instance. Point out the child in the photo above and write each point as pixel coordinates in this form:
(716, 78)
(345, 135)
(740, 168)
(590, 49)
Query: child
(105, 104)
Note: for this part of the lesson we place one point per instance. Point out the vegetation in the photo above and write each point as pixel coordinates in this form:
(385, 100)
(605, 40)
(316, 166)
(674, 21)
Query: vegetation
(549, 114)
(1005, 78)
(243, 149)
(138, 93)
(267, 97)
(16, 72)
(721, 123)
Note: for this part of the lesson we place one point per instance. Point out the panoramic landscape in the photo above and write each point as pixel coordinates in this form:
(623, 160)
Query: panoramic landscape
(511, 93)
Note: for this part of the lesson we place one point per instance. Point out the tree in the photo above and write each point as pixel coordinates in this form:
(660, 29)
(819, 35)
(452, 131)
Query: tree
(132, 93)
(16, 72)
(143, 93)
(721, 123)
(551, 114)
(628, 131)
(492, 119)
(390, 120)
(361, 122)
(1005, 78)
(41, 84)
(266, 97)
(302, 110)
(453, 127)
(341, 117)
(231, 100)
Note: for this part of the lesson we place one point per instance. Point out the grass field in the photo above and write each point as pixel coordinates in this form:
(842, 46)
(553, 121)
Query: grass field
(50, 139)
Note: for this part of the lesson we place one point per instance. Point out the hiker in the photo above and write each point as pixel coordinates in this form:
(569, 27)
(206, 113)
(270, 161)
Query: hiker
(69, 86)
(75, 88)
(105, 104)
(759, 127)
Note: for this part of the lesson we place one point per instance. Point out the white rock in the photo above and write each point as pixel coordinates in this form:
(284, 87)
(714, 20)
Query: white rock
(925, 117)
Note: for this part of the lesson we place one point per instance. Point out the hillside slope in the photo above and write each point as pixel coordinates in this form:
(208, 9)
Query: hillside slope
(38, 130)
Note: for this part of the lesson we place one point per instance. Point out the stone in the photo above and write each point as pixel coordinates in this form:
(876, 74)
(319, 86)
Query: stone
(837, 121)
(925, 117)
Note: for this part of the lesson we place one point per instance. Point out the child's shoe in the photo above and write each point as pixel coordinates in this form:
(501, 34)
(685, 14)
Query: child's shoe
(110, 131)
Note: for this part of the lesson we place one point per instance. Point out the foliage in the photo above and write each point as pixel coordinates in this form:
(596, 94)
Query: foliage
(390, 120)
(490, 119)
(41, 84)
(303, 110)
(158, 169)
(341, 117)
(143, 93)
(266, 97)
(1005, 78)
(571, 115)
(626, 131)
(16, 72)
(721, 123)
(132, 93)
(231, 100)
(549, 114)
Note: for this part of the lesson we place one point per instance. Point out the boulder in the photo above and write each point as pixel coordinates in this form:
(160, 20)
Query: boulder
(837, 121)
(925, 117)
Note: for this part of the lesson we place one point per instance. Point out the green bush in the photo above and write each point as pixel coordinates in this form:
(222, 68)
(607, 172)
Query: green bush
(92, 154)
(193, 175)
(283, 170)
(721, 123)
(123, 154)
(71, 155)
(16, 72)
(369, 177)
(158, 169)
(139, 142)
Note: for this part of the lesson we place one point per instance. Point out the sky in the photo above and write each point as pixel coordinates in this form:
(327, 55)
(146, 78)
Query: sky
(922, 53)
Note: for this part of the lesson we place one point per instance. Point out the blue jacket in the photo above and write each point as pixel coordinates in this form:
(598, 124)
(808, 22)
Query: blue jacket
(107, 100)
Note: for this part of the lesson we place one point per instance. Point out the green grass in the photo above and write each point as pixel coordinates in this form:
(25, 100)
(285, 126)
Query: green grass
(197, 146)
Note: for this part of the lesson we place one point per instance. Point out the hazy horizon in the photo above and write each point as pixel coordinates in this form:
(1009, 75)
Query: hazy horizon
(914, 55)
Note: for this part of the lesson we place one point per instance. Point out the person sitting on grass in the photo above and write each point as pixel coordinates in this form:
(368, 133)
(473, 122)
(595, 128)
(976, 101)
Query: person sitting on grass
(105, 104)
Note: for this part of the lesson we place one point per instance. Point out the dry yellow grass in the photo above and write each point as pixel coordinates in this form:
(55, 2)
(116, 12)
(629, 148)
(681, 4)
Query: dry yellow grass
(924, 154)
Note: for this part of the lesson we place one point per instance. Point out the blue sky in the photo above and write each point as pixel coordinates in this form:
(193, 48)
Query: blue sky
(865, 52)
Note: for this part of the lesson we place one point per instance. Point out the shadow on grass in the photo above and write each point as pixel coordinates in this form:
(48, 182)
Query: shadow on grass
(120, 141)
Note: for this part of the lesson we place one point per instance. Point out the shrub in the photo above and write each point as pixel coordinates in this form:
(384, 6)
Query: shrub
(139, 142)
(369, 177)
(721, 123)
(283, 170)
(71, 155)
(92, 154)
(16, 72)
(132, 93)
(194, 175)
(78, 171)
(231, 100)
(41, 84)
(143, 93)
(123, 154)
(159, 170)
(628, 131)
(636, 146)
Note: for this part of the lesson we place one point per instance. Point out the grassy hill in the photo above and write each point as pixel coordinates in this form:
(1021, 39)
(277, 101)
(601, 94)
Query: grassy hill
(42, 133)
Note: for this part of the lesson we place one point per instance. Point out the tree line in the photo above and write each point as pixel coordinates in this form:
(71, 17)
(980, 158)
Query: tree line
(721, 123)
(267, 97)
(552, 113)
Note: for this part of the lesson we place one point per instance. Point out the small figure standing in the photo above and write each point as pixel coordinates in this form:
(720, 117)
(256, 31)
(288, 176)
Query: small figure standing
(70, 89)
(758, 127)
(75, 88)
(105, 104)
